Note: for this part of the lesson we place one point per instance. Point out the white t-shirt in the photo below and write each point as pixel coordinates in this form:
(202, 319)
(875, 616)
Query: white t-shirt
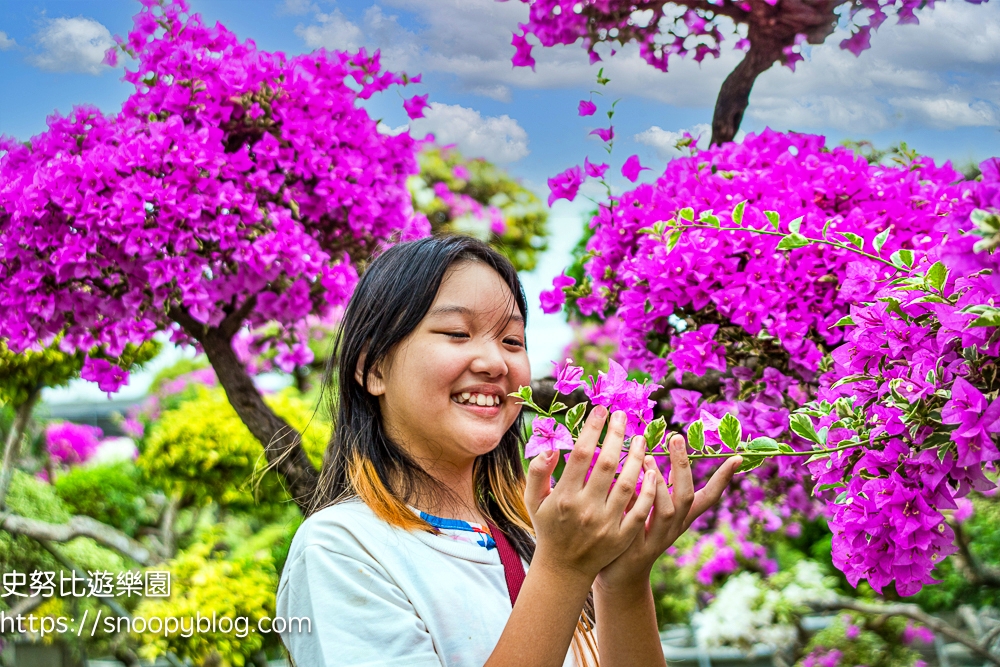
(380, 595)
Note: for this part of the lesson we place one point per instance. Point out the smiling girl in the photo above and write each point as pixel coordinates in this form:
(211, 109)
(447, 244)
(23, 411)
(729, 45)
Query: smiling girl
(425, 543)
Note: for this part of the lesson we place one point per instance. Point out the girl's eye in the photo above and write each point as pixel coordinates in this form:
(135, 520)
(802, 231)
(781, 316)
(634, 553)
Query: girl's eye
(456, 334)
(514, 341)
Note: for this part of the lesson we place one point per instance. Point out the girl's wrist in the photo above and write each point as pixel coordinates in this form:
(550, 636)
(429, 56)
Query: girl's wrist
(562, 574)
(631, 588)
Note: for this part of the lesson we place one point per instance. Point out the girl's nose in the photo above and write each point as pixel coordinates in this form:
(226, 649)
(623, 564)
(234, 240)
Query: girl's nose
(489, 359)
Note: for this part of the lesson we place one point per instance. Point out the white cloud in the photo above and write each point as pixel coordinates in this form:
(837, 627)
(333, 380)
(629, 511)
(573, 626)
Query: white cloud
(6, 42)
(332, 31)
(665, 141)
(941, 73)
(497, 138)
(72, 45)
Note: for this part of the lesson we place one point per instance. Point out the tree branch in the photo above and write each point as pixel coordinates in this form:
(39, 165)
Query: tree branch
(914, 612)
(78, 526)
(12, 446)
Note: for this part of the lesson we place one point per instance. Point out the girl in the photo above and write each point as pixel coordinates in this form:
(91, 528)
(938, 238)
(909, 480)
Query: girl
(407, 556)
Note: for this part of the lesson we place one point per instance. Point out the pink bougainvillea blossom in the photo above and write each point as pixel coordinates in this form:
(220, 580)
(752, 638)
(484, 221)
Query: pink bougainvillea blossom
(586, 108)
(565, 185)
(547, 435)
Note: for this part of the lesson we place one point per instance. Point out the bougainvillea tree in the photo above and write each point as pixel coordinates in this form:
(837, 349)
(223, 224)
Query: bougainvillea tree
(235, 188)
(846, 309)
(769, 31)
(474, 196)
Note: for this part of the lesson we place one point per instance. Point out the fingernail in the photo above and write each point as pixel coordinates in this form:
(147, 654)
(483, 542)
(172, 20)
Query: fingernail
(618, 418)
(600, 411)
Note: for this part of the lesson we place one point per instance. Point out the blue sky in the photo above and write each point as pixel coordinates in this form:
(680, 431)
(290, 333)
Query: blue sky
(934, 85)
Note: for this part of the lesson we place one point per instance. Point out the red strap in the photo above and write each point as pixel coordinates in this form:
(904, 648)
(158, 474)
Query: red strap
(513, 568)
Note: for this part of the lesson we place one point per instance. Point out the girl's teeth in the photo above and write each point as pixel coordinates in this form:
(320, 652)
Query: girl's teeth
(485, 400)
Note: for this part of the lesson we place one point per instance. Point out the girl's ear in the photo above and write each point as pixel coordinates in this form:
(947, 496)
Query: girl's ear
(376, 383)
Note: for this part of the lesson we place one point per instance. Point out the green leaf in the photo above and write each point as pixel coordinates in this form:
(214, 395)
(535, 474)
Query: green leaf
(730, 431)
(574, 418)
(686, 213)
(880, 240)
(803, 426)
(738, 212)
(763, 444)
(795, 225)
(556, 407)
(750, 463)
(786, 448)
(901, 258)
(793, 241)
(675, 236)
(936, 276)
(524, 393)
(845, 321)
(856, 240)
(990, 317)
(712, 220)
(654, 432)
(827, 226)
(774, 218)
(696, 435)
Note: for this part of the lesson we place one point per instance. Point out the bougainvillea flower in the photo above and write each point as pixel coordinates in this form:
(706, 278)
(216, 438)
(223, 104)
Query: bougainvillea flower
(547, 434)
(594, 170)
(977, 419)
(568, 377)
(604, 133)
(586, 108)
(565, 185)
(415, 106)
(632, 167)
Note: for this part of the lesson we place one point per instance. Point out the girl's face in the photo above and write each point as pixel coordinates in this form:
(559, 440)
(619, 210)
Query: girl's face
(443, 392)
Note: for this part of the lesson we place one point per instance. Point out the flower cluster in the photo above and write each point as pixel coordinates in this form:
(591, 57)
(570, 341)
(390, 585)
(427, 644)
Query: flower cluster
(71, 444)
(848, 309)
(233, 182)
(612, 389)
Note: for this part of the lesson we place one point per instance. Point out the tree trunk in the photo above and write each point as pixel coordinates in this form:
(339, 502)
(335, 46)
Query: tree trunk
(734, 96)
(12, 446)
(282, 443)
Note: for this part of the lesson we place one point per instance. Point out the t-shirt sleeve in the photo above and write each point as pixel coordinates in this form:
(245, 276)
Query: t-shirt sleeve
(359, 617)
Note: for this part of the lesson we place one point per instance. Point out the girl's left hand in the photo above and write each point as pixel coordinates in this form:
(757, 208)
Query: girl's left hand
(671, 515)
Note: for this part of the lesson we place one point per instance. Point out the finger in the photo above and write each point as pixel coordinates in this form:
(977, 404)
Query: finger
(582, 455)
(607, 461)
(680, 470)
(635, 518)
(623, 491)
(710, 494)
(663, 513)
(538, 485)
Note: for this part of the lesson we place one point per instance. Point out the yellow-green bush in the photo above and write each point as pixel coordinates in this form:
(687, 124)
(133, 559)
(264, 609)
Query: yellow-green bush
(206, 583)
(36, 499)
(203, 451)
(110, 493)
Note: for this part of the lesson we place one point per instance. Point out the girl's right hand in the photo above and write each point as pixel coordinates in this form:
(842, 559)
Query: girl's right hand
(579, 525)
